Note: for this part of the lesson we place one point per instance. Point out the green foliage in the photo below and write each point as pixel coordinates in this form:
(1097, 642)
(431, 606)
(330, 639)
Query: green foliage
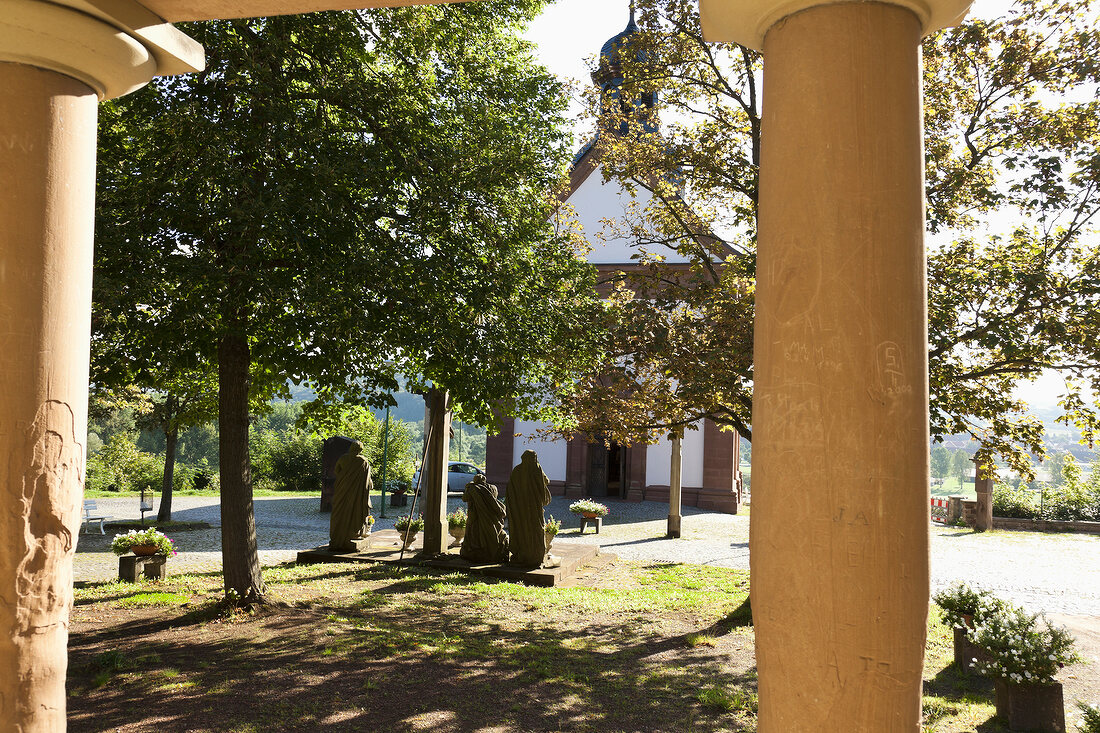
(457, 519)
(1072, 500)
(468, 444)
(1012, 127)
(288, 461)
(552, 526)
(961, 465)
(1057, 463)
(1014, 503)
(941, 461)
(1090, 718)
(120, 466)
(317, 206)
(964, 607)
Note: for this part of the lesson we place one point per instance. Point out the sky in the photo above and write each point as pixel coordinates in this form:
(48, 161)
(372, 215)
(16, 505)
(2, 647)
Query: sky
(571, 32)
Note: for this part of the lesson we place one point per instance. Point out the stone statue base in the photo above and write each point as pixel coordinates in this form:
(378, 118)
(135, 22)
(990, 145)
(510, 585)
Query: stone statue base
(361, 545)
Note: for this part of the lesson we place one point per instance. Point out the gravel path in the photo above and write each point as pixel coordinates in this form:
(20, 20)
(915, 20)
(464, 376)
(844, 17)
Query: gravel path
(1056, 573)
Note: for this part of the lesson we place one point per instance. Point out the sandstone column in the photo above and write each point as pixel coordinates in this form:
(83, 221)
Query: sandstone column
(55, 64)
(983, 491)
(674, 485)
(433, 493)
(839, 522)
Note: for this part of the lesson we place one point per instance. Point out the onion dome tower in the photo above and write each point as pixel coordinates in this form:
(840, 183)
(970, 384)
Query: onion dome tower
(610, 77)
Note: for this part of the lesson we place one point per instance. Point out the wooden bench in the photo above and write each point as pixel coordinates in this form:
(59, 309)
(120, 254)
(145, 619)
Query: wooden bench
(90, 516)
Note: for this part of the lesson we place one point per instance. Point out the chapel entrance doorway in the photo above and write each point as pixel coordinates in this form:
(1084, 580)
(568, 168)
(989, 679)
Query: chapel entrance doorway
(606, 469)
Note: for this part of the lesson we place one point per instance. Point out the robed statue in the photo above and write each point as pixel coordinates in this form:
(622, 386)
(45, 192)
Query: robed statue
(528, 493)
(485, 540)
(350, 500)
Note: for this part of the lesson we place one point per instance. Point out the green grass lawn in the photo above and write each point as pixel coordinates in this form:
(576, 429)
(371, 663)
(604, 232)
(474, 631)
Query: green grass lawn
(89, 494)
(951, 487)
(631, 647)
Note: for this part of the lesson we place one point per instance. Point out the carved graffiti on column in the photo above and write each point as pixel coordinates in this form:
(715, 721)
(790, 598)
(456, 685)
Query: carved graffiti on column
(890, 377)
(49, 504)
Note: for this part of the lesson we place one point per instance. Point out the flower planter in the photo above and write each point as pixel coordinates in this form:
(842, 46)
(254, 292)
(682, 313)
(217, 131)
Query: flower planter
(966, 651)
(144, 550)
(1031, 706)
(399, 499)
(459, 533)
(408, 542)
(589, 515)
(549, 540)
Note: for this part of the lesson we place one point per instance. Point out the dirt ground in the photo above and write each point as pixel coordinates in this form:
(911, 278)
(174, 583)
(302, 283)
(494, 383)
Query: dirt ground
(627, 648)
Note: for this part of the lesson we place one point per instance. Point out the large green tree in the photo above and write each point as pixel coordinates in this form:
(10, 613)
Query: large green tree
(340, 199)
(1012, 139)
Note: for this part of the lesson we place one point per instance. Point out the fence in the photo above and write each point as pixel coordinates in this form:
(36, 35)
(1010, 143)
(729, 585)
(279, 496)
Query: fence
(939, 510)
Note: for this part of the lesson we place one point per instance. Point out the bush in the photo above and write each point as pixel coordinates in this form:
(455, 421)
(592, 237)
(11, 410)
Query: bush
(1018, 503)
(1073, 500)
(296, 464)
(206, 479)
(120, 466)
(287, 461)
(1068, 503)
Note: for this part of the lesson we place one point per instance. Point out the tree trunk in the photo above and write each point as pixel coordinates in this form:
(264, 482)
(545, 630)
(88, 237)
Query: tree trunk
(240, 558)
(171, 435)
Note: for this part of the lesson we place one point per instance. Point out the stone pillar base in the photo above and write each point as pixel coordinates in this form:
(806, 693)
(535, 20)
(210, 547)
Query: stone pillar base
(152, 567)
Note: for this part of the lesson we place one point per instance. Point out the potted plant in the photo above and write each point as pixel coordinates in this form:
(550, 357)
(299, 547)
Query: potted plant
(408, 528)
(962, 607)
(456, 525)
(398, 491)
(551, 529)
(588, 508)
(145, 542)
(1024, 654)
(959, 603)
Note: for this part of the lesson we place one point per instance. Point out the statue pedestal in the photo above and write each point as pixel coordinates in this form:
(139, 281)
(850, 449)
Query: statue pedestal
(353, 546)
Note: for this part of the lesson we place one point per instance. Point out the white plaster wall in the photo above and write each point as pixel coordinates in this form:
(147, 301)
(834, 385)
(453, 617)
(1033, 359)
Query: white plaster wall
(595, 201)
(552, 454)
(658, 463)
(691, 451)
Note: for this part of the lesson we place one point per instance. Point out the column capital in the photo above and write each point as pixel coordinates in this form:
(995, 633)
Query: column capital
(747, 21)
(113, 46)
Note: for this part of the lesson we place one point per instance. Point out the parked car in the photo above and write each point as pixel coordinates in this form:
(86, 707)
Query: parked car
(459, 473)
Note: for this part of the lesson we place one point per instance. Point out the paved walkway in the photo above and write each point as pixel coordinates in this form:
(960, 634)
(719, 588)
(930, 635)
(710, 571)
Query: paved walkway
(1056, 573)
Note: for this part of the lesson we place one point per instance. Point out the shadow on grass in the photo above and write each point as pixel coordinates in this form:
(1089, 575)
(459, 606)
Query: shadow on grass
(952, 691)
(398, 667)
